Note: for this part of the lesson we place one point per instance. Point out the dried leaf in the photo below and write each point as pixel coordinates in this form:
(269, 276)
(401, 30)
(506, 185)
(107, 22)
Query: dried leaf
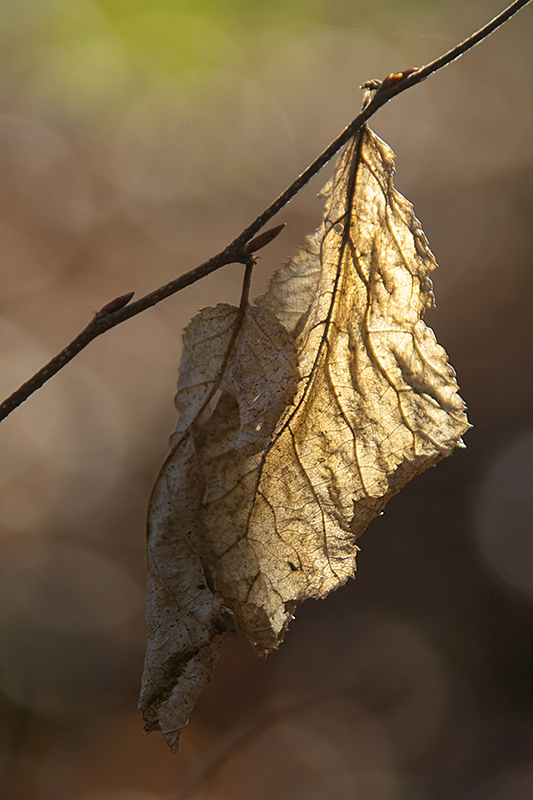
(262, 373)
(291, 476)
(187, 619)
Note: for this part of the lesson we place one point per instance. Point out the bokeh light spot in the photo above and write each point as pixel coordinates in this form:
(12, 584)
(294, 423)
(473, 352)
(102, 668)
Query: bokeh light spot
(504, 515)
(67, 588)
(45, 204)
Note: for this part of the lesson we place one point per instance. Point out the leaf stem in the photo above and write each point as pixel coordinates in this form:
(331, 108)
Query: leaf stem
(236, 251)
(237, 326)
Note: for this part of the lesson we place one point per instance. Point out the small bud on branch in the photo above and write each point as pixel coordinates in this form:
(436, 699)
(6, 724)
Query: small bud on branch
(114, 305)
(263, 239)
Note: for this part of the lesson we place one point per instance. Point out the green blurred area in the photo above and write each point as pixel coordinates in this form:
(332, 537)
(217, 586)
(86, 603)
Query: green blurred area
(86, 54)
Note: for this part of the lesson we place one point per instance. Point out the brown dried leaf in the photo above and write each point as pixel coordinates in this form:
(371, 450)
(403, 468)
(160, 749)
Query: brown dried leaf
(376, 404)
(186, 617)
(261, 374)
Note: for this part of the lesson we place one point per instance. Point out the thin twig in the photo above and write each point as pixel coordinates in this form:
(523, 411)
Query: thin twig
(236, 250)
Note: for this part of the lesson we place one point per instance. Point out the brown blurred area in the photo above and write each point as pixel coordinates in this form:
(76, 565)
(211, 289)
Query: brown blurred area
(122, 166)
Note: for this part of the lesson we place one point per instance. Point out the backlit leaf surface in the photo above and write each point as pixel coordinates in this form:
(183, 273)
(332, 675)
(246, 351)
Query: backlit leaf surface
(335, 395)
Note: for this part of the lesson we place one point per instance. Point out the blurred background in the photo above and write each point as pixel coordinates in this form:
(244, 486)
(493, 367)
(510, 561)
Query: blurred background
(137, 138)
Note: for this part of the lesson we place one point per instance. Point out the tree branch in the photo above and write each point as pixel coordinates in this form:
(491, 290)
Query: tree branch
(118, 310)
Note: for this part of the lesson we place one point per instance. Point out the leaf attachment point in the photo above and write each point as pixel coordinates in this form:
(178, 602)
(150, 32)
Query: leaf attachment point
(396, 77)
